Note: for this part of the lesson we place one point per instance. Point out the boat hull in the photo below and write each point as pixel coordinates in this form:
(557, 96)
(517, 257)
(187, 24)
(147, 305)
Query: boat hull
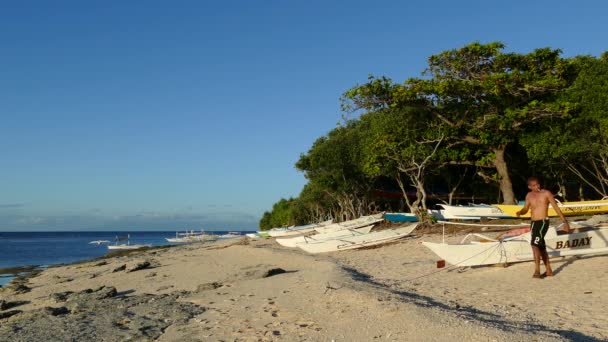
(359, 241)
(295, 241)
(299, 230)
(518, 249)
(123, 247)
(352, 224)
(400, 217)
(567, 208)
(468, 212)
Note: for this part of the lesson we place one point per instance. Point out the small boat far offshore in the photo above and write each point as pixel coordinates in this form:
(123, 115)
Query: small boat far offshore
(99, 242)
(122, 242)
(191, 236)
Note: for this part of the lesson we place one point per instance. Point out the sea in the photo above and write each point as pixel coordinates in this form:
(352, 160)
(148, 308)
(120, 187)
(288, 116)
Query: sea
(44, 249)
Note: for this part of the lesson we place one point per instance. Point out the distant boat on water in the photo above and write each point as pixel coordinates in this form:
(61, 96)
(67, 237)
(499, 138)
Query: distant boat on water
(99, 242)
(192, 236)
(122, 242)
(230, 235)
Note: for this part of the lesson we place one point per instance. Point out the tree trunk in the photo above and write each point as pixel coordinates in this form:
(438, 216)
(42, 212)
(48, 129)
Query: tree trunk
(506, 187)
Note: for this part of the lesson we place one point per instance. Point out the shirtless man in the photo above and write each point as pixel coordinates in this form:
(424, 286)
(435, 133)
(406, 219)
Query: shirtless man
(538, 201)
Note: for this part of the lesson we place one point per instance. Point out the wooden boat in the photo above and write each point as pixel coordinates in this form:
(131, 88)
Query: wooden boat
(400, 217)
(516, 247)
(358, 241)
(293, 242)
(568, 208)
(298, 230)
(468, 212)
(122, 242)
(352, 224)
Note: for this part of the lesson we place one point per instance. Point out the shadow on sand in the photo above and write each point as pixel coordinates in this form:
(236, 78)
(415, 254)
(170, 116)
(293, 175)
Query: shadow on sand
(469, 313)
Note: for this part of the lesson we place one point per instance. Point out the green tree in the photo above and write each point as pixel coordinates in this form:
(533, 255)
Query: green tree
(401, 143)
(485, 98)
(334, 164)
(577, 145)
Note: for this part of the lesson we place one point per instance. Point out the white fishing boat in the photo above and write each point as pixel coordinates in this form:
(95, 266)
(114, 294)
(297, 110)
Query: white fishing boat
(515, 246)
(352, 224)
(468, 212)
(122, 242)
(99, 242)
(357, 241)
(191, 236)
(230, 235)
(294, 241)
(297, 230)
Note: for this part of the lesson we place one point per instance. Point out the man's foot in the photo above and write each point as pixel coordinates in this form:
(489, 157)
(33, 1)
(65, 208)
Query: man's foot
(537, 275)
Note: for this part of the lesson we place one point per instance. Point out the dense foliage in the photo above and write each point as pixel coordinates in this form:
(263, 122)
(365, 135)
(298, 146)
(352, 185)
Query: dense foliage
(475, 125)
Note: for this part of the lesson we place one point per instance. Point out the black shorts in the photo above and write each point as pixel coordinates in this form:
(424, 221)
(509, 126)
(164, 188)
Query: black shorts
(539, 230)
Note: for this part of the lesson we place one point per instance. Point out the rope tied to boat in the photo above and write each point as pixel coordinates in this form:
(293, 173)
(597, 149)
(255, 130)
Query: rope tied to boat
(499, 245)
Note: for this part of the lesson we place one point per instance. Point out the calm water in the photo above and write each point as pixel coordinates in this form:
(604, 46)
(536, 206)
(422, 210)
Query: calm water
(51, 248)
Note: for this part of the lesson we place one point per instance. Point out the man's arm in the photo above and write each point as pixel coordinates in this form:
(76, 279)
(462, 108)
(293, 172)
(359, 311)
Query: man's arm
(558, 211)
(525, 209)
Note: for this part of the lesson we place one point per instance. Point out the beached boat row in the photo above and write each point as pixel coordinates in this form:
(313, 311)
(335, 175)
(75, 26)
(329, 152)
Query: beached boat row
(588, 237)
(330, 237)
(501, 211)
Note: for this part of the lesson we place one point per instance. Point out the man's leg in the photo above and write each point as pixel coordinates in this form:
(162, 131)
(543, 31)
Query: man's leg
(537, 256)
(545, 256)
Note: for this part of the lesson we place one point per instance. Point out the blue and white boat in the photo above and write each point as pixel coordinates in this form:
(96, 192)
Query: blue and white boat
(400, 217)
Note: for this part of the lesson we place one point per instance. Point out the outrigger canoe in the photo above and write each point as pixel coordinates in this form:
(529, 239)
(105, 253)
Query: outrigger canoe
(294, 241)
(299, 230)
(568, 208)
(357, 241)
(468, 212)
(352, 224)
(513, 248)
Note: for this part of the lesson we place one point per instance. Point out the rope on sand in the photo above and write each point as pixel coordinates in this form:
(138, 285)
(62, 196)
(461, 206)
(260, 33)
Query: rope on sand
(455, 265)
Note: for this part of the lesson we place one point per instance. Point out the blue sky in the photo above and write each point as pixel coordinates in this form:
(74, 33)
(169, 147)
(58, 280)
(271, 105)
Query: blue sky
(189, 114)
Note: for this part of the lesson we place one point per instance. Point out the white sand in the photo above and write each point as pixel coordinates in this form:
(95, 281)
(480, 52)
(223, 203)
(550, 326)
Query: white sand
(358, 295)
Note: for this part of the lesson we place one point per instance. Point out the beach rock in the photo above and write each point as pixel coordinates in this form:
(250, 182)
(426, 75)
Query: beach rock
(77, 306)
(209, 286)
(8, 314)
(140, 266)
(106, 292)
(3, 305)
(62, 310)
(273, 272)
(101, 263)
(120, 268)
(20, 288)
(133, 318)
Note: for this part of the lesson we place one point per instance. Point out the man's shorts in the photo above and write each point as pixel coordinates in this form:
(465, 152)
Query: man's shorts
(539, 230)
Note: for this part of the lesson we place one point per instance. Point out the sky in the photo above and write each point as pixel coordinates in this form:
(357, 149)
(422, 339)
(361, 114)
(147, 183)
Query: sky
(158, 115)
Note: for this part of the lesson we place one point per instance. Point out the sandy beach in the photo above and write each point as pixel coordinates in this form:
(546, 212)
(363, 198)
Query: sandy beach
(256, 290)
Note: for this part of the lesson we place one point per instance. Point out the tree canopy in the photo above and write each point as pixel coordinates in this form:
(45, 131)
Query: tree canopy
(477, 115)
